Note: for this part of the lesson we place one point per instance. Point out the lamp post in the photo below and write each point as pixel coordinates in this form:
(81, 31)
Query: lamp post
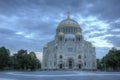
(104, 64)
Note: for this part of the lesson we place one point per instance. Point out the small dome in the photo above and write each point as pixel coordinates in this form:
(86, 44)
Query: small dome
(46, 46)
(60, 34)
(78, 34)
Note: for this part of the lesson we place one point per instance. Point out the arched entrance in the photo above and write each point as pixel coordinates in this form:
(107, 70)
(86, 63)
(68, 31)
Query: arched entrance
(70, 63)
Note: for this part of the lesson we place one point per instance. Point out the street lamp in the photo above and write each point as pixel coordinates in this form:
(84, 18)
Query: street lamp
(104, 64)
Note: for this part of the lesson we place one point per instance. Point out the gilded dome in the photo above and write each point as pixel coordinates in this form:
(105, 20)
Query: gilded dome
(60, 34)
(78, 34)
(68, 23)
(46, 46)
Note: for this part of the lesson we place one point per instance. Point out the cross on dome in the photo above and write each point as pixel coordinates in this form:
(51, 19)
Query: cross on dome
(68, 16)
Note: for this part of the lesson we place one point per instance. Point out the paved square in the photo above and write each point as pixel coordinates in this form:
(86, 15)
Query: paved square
(60, 75)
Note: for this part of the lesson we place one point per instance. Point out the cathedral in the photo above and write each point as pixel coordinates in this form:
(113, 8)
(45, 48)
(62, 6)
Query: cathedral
(69, 50)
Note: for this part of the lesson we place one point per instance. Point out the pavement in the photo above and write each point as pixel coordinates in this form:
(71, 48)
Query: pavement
(60, 75)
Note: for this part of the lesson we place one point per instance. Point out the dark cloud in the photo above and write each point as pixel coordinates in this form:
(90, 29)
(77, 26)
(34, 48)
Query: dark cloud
(106, 10)
(29, 24)
(115, 40)
(6, 31)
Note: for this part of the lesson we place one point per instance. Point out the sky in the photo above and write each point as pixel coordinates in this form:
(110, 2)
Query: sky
(30, 24)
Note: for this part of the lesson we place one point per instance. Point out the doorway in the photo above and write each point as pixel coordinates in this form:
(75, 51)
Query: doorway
(70, 63)
(60, 66)
(79, 66)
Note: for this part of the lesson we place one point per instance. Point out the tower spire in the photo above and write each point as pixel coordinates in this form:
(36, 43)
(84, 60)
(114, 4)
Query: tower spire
(68, 16)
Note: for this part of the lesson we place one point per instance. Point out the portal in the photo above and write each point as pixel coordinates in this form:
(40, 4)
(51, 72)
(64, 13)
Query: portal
(60, 66)
(70, 63)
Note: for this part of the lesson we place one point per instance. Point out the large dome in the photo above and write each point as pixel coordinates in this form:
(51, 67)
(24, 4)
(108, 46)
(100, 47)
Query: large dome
(68, 23)
(68, 26)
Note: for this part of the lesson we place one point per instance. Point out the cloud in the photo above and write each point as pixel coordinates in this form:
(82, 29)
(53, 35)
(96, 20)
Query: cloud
(39, 55)
(29, 24)
(101, 51)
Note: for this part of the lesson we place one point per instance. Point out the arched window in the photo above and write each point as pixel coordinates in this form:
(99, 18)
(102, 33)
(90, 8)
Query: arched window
(70, 29)
(63, 29)
(85, 56)
(61, 57)
(60, 38)
(85, 63)
(75, 30)
(79, 57)
(66, 29)
(79, 38)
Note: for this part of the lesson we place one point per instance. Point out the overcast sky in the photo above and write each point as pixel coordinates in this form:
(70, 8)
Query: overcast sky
(30, 24)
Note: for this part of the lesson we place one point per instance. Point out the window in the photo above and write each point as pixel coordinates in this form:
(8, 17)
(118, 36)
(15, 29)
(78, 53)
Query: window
(79, 38)
(45, 64)
(65, 39)
(54, 63)
(73, 29)
(61, 57)
(85, 63)
(61, 66)
(63, 29)
(69, 49)
(73, 40)
(93, 64)
(54, 56)
(79, 66)
(58, 30)
(79, 57)
(85, 56)
(66, 30)
(56, 47)
(69, 29)
(60, 38)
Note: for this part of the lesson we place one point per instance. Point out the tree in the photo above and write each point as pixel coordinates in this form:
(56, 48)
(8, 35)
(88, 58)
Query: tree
(34, 62)
(24, 61)
(99, 65)
(4, 58)
(112, 60)
(19, 61)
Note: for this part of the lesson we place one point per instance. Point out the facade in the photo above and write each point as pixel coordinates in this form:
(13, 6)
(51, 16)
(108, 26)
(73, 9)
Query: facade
(69, 50)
